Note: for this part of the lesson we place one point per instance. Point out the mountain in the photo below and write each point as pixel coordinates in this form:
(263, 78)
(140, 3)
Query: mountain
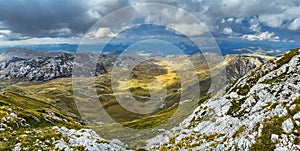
(260, 111)
(39, 68)
(49, 77)
(239, 65)
(17, 64)
(44, 114)
(31, 124)
(10, 53)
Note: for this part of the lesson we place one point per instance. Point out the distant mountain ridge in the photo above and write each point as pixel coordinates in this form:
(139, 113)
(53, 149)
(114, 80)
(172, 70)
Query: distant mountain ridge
(28, 65)
(226, 47)
(19, 53)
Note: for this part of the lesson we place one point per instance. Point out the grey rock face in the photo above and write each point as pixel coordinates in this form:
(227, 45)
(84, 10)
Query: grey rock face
(240, 65)
(42, 68)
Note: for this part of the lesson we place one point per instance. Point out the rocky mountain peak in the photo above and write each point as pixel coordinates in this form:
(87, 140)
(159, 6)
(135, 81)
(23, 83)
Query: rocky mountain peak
(40, 68)
(239, 65)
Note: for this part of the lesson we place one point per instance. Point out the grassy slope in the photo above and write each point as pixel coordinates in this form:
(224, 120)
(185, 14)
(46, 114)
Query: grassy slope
(59, 91)
(30, 109)
(57, 94)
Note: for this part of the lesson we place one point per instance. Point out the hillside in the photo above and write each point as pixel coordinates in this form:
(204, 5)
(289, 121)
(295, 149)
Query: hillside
(30, 124)
(48, 77)
(20, 53)
(52, 96)
(258, 112)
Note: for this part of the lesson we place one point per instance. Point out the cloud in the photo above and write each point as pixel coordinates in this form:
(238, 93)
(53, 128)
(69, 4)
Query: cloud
(291, 41)
(72, 18)
(44, 40)
(53, 18)
(227, 31)
(272, 20)
(102, 32)
(5, 32)
(255, 25)
(281, 19)
(295, 25)
(188, 29)
(243, 17)
(263, 36)
(230, 19)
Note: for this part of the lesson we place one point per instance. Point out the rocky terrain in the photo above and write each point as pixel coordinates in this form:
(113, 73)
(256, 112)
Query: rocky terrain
(30, 124)
(258, 112)
(239, 65)
(38, 66)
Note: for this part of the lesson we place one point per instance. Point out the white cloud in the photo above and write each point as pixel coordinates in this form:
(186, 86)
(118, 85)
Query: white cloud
(101, 33)
(9, 35)
(217, 15)
(276, 20)
(227, 31)
(45, 40)
(295, 25)
(160, 15)
(223, 21)
(98, 8)
(94, 14)
(254, 25)
(239, 20)
(188, 29)
(287, 40)
(61, 32)
(292, 41)
(262, 36)
(272, 20)
(230, 19)
(6, 32)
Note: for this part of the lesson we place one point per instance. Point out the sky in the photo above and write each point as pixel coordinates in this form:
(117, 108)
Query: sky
(55, 21)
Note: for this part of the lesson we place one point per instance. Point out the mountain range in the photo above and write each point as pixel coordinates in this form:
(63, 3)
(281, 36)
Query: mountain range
(258, 109)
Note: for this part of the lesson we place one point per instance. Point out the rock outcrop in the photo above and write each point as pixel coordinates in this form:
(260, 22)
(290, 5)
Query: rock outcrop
(87, 139)
(239, 65)
(41, 68)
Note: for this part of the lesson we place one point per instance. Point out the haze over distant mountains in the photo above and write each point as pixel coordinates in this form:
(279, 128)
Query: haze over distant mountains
(19, 64)
(226, 47)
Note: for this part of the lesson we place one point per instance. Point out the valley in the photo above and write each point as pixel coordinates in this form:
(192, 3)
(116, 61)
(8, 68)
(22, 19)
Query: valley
(145, 75)
(58, 92)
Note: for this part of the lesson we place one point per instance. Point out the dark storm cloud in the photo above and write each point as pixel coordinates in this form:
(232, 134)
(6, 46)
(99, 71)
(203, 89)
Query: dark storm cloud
(50, 18)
